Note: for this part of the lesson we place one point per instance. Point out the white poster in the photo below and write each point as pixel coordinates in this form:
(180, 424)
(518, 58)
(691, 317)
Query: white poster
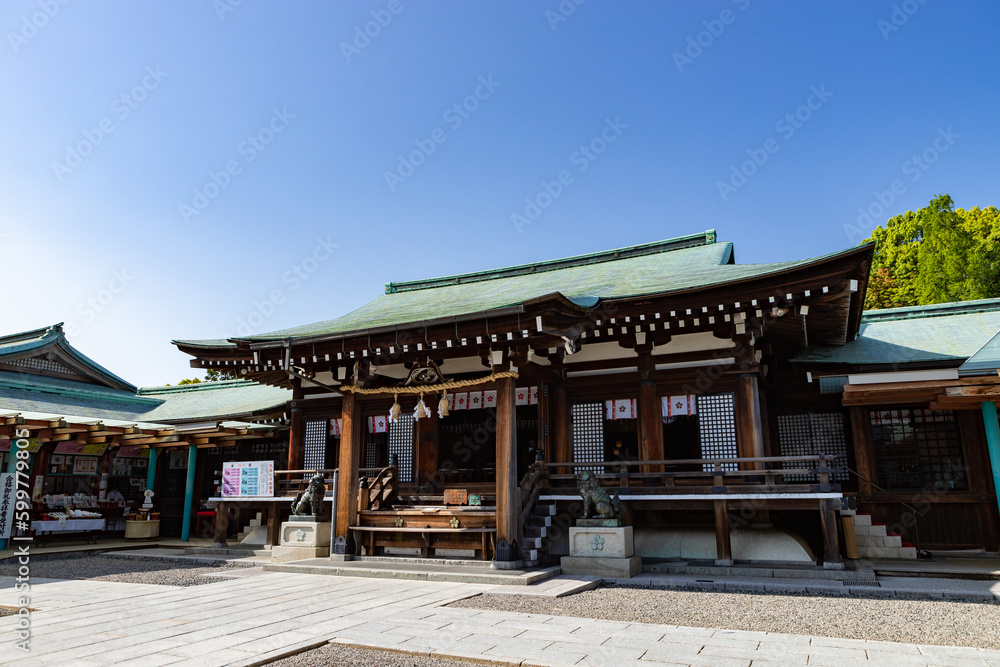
(7, 491)
(248, 478)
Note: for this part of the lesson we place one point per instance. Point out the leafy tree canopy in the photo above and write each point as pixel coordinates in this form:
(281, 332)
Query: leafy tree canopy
(935, 255)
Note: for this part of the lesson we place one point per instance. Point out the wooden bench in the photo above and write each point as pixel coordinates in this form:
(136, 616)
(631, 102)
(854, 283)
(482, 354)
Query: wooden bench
(429, 538)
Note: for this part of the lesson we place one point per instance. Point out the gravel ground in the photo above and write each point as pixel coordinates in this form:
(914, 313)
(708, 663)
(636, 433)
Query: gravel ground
(128, 570)
(910, 621)
(338, 655)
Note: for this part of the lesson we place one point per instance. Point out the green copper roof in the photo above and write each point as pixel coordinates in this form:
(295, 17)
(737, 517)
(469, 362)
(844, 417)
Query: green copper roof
(23, 392)
(33, 343)
(654, 268)
(985, 360)
(214, 400)
(940, 332)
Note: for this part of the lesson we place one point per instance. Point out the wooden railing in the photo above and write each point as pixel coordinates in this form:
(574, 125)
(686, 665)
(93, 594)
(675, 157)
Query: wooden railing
(768, 474)
(288, 483)
(378, 492)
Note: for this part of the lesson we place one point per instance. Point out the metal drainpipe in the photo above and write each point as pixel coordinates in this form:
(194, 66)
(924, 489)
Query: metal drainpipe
(189, 493)
(992, 425)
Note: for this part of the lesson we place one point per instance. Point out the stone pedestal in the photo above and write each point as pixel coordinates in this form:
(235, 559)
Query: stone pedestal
(301, 538)
(602, 551)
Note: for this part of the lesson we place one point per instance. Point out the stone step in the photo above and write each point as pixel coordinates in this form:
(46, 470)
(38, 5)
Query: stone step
(426, 571)
(544, 510)
(556, 587)
(862, 520)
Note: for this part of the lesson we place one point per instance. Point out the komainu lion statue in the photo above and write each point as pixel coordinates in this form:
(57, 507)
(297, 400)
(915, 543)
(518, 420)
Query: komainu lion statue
(310, 501)
(605, 507)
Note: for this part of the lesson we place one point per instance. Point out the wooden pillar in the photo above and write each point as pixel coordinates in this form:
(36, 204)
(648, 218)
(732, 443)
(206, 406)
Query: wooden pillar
(220, 527)
(273, 525)
(297, 429)
(562, 428)
(749, 430)
(508, 500)
(650, 426)
(351, 434)
(864, 456)
(723, 546)
(831, 542)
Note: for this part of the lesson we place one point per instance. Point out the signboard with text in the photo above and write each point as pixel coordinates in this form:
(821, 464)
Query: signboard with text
(7, 491)
(248, 478)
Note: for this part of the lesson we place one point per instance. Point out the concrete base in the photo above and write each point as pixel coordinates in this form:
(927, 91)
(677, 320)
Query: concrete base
(614, 568)
(285, 554)
(301, 539)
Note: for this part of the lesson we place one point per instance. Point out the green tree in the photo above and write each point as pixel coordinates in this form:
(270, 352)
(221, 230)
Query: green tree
(218, 375)
(934, 255)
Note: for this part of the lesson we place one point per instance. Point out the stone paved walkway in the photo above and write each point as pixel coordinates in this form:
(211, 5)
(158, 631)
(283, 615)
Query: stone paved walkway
(244, 622)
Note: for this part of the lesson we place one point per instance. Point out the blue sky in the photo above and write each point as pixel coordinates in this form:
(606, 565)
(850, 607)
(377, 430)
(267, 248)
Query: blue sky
(198, 169)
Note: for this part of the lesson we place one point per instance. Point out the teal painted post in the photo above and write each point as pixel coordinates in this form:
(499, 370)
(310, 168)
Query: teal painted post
(151, 470)
(993, 442)
(189, 493)
(11, 468)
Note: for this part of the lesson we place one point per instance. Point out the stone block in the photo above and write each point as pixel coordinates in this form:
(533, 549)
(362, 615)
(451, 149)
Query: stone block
(283, 554)
(305, 534)
(612, 568)
(893, 541)
(908, 552)
(877, 531)
(869, 541)
(862, 520)
(601, 542)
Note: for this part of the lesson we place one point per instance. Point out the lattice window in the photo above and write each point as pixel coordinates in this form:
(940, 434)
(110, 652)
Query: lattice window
(401, 444)
(918, 449)
(813, 433)
(588, 435)
(43, 364)
(717, 428)
(315, 445)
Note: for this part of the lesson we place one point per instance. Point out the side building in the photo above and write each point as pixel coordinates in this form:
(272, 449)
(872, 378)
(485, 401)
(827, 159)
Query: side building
(98, 442)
